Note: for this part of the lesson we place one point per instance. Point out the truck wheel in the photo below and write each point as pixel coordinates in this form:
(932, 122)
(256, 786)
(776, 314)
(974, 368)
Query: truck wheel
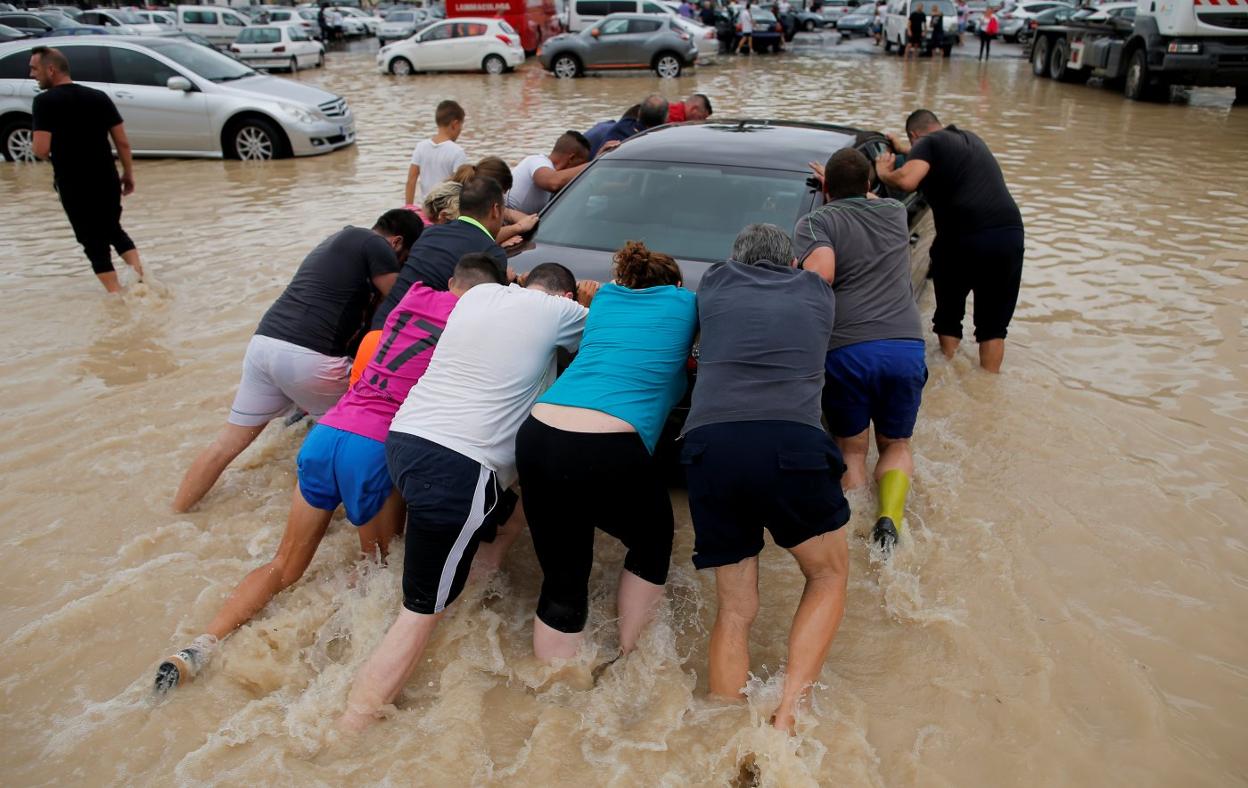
(1138, 85)
(1040, 57)
(1058, 60)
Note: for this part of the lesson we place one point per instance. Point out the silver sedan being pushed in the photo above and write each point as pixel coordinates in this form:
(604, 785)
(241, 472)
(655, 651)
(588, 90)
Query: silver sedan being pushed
(622, 41)
(180, 99)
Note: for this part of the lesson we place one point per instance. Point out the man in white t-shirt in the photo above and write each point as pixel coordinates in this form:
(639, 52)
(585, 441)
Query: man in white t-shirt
(434, 160)
(452, 454)
(537, 177)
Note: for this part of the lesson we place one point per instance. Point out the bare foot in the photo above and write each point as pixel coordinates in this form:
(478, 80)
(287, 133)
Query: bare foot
(356, 721)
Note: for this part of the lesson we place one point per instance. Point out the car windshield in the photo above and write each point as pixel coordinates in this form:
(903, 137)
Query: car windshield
(401, 16)
(207, 63)
(59, 21)
(129, 18)
(690, 211)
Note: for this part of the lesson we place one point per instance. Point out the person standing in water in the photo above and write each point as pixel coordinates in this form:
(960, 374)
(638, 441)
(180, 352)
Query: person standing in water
(875, 369)
(73, 125)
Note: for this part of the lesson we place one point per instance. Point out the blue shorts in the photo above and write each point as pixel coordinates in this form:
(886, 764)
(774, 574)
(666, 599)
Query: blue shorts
(880, 381)
(340, 467)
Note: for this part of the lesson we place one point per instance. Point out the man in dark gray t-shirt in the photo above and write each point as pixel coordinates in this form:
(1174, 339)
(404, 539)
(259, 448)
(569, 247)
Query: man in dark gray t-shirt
(876, 364)
(756, 455)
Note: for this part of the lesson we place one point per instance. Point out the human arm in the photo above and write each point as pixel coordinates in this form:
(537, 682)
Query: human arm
(814, 244)
(513, 233)
(822, 261)
(907, 178)
(900, 144)
(383, 283)
(549, 179)
(42, 144)
(41, 125)
(409, 192)
(586, 289)
(122, 143)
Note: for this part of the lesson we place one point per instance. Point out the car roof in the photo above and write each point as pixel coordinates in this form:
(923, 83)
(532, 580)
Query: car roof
(765, 144)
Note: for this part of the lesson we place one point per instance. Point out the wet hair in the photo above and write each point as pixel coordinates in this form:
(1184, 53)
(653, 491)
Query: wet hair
(55, 58)
(552, 277)
(706, 102)
(637, 267)
(400, 222)
(572, 142)
(447, 113)
(477, 268)
(489, 167)
(653, 111)
(921, 120)
(443, 198)
(762, 243)
(847, 174)
(478, 196)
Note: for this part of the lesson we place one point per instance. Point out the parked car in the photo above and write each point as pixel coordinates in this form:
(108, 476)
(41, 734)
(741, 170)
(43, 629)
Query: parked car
(833, 10)
(703, 36)
(857, 23)
(621, 41)
(400, 24)
(11, 33)
(285, 46)
(897, 24)
(43, 23)
(181, 99)
(810, 21)
(7, 7)
(164, 19)
(127, 23)
(460, 44)
(218, 24)
(1054, 16)
(277, 15)
(194, 38)
(584, 14)
(71, 11)
(768, 32)
(1014, 17)
(371, 23)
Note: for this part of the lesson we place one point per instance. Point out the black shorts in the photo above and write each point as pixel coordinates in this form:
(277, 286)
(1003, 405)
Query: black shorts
(748, 475)
(453, 504)
(95, 214)
(988, 263)
(575, 482)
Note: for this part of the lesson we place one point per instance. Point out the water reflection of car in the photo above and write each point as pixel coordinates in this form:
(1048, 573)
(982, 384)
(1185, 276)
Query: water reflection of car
(181, 99)
(621, 41)
(285, 46)
(461, 44)
(857, 23)
(687, 190)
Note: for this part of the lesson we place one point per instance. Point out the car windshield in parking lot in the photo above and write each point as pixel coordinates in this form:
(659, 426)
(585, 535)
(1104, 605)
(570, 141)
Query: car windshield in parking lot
(690, 211)
(129, 18)
(205, 62)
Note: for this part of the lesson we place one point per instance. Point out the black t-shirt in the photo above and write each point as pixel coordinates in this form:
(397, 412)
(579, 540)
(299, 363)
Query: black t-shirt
(79, 119)
(917, 20)
(433, 259)
(325, 306)
(965, 186)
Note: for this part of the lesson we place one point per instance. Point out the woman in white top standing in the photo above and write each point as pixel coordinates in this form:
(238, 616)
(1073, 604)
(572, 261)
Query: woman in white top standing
(745, 24)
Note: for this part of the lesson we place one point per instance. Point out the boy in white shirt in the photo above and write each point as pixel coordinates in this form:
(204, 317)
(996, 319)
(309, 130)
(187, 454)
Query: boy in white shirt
(434, 160)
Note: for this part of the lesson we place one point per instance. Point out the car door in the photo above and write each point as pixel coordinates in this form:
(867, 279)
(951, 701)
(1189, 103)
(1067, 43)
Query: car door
(611, 45)
(300, 43)
(158, 120)
(469, 45)
(435, 49)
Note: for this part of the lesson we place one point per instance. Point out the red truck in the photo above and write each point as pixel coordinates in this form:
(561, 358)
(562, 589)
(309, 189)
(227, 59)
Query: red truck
(535, 20)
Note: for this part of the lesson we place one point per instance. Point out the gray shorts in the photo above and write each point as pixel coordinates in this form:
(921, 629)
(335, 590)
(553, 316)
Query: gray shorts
(278, 375)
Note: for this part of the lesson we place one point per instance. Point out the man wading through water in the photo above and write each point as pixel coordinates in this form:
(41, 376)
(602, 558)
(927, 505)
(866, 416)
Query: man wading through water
(73, 124)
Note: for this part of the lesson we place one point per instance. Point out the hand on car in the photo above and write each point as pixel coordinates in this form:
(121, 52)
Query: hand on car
(899, 145)
(817, 169)
(609, 145)
(585, 291)
(884, 164)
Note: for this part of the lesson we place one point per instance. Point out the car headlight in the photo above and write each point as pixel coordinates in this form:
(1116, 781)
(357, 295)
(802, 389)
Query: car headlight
(301, 113)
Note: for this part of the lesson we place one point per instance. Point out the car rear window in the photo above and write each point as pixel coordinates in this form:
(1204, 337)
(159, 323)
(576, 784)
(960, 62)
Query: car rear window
(690, 211)
(15, 65)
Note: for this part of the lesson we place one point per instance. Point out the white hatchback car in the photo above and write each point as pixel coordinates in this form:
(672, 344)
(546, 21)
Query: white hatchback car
(278, 46)
(461, 44)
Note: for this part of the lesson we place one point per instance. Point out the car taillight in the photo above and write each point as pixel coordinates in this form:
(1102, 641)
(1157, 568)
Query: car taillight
(279, 49)
(506, 41)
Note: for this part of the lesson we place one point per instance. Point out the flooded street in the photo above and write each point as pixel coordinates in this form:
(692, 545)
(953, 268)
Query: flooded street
(1072, 610)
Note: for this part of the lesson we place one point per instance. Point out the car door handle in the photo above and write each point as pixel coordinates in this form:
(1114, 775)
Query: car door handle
(124, 94)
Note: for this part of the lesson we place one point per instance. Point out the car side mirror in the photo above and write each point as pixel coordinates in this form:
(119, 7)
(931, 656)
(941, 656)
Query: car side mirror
(179, 83)
(595, 32)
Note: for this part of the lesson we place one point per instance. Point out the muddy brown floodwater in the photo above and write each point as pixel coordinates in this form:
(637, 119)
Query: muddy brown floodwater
(1073, 609)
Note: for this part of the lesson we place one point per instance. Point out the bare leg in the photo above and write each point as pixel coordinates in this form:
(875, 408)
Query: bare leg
(383, 675)
(824, 561)
(636, 602)
(948, 345)
(490, 555)
(132, 259)
(736, 587)
(211, 462)
(854, 451)
(550, 644)
(894, 456)
(110, 281)
(305, 528)
(375, 535)
(991, 354)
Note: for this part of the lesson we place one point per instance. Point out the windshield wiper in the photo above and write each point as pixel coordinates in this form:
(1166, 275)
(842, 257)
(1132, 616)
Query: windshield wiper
(233, 77)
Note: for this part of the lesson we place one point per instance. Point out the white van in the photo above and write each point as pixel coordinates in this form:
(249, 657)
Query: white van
(218, 24)
(897, 23)
(584, 13)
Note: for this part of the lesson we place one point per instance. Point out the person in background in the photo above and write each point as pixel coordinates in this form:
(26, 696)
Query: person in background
(538, 177)
(343, 462)
(989, 26)
(964, 13)
(707, 14)
(685, 9)
(434, 160)
(452, 454)
(914, 35)
(696, 107)
(597, 426)
(937, 25)
(301, 352)
(745, 28)
(756, 456)
(322, 22)
(652, 112)
(72, 125)
(877, 22)
(876, 367)
(979, 230)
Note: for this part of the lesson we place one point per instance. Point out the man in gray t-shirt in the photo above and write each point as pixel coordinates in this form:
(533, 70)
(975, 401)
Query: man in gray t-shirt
(876, 365)
(756, 455)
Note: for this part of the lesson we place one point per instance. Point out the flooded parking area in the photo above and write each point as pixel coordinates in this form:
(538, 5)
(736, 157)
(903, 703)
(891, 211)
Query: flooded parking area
(1071, 610)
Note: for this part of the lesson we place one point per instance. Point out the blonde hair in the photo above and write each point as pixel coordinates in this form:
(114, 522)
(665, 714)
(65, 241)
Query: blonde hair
(441, 200)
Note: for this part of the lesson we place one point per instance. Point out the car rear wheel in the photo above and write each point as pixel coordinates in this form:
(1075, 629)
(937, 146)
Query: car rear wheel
(401, 67)
(668, 66)
(566, 67)
(1040, 57)
(493, 64)
(255, 139)
(19, 140)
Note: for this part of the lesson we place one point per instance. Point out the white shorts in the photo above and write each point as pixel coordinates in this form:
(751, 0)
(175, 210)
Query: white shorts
(277, 375)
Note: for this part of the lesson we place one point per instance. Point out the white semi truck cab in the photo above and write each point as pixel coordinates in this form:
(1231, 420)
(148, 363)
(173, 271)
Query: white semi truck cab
(1166, 42)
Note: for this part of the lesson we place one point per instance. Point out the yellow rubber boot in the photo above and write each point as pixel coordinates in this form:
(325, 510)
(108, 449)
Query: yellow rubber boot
(894, 486)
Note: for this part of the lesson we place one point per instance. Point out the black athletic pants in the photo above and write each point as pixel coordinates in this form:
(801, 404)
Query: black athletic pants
(94, 211)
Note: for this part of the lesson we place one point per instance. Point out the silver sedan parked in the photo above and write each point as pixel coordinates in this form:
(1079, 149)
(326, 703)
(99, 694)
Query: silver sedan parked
(622, 41)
